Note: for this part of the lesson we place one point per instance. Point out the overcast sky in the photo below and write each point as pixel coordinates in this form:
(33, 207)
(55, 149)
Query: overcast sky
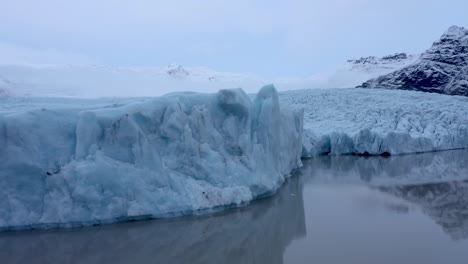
(290, 38)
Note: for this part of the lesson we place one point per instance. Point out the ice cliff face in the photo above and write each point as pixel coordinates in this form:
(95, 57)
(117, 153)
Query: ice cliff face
(441, 69)
(276, 221)
(375, 122)
(92, 162)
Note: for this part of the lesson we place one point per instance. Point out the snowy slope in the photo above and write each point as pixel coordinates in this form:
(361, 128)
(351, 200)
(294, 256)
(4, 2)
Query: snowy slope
(361, 121)
(356, 71)
(77, 161)
(375, 65)
(442, 68)
(102, 81)
(352, 73)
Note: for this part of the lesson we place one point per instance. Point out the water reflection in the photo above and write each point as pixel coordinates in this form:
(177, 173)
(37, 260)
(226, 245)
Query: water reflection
(407, 169)
(446, 203)
(258, 233)
(346, 203)
(436, 182)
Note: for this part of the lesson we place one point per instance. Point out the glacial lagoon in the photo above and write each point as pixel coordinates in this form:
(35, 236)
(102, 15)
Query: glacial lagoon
(349, 209)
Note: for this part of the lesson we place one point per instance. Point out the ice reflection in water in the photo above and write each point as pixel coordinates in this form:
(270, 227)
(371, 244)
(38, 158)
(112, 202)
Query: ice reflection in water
(406, 169)
(254, 234)
(436, 182)
(446, 203)
(405, 209)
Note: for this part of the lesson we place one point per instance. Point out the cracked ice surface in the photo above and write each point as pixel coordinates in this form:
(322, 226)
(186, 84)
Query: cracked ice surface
(74, 161)
(347, 121)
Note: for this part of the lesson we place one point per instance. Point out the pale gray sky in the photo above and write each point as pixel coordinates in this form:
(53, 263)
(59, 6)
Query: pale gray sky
(290, 38)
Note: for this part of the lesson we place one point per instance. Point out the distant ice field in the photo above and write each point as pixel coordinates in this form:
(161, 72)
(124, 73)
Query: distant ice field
(375, 122)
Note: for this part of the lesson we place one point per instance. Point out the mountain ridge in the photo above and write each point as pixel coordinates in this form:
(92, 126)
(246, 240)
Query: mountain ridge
(443, 68)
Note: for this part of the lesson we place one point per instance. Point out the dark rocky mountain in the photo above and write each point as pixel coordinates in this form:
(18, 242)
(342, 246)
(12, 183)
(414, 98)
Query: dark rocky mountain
(177, 70)
(441, 69)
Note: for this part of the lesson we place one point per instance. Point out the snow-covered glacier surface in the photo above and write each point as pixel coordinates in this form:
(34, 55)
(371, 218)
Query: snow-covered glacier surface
(375, 122)
(72, 162)
(92, 81)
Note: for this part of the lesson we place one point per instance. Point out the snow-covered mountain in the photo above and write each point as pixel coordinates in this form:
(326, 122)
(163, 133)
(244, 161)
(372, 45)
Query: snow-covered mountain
(374, 65)
(356, 71)
(350, 74)
(441, 69)
(175, 70)
(101, 81)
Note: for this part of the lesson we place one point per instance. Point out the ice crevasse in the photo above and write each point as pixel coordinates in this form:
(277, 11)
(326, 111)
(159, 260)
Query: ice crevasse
(81, 164)
(376, 122)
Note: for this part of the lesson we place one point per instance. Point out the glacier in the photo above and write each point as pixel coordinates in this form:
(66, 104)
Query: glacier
(379, 122)
(73, 162)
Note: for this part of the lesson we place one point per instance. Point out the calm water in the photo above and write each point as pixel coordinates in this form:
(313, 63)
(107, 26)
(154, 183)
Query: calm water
(408, 209)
